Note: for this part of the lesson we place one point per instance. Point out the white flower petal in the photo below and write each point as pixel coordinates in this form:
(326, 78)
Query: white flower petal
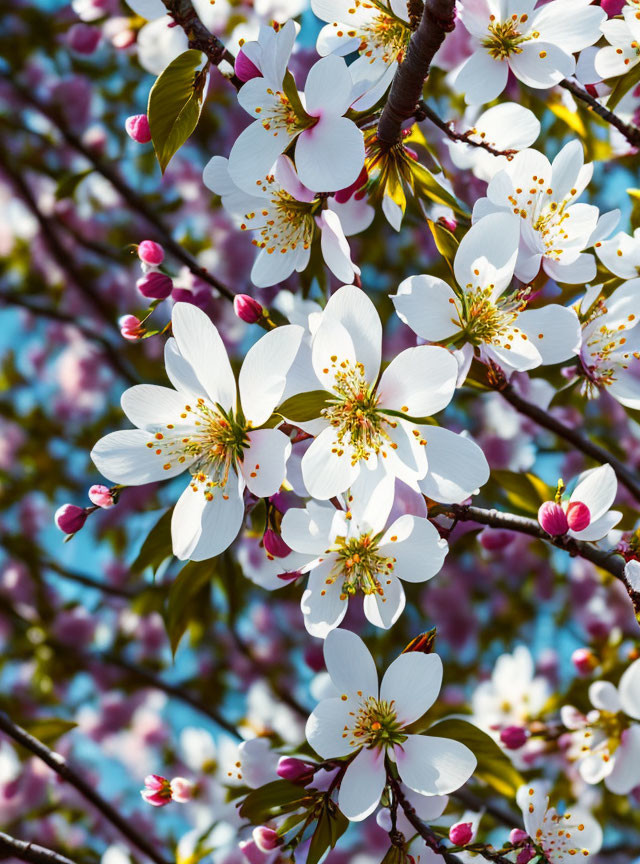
(625, 775)
(383, 608)
(351, 308)
(428, 306)
(264, 461)
(324, 472)
(488, 252)
(362, 785)
(202, 529)
(482, 78)
(604, 696)
(263, 375)
(335, 247)
(350, 664)
(629, 690)
(554, 330)
(541, 64)
(412, 682)
(151, 407)
(419, 381)
(597, 489)
(124, 457)
(330, 155)
(323, 604)
(457, 466)
(328, 87)
(325, 727)
(434, 766)
(417, 548)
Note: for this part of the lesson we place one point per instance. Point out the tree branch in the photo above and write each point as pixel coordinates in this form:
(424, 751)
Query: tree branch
(424, 112)
(630, 132)
(548, 421)
(30, 852)
(438, 19)
(59, 764)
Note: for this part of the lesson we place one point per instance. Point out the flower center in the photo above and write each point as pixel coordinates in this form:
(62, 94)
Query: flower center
(603, 355)
(558, 837)
(279, 114)
(214, 442)
(489, 320)
(288, 223)
(374, 724)
(355, 415)
(360, 565)
(385, 37)
(505, 38)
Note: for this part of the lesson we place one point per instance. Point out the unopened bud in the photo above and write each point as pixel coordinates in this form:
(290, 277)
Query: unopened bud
(155, 285)
(613, 7)
(461, 833)
(584, 661)
(518, 836)
(101, 496)
(70, 518)
(151, 253)
(493, 539)
(266, 839)
(137, 127)
(449, 224)
(525, 855)
(157, 790)
(552, 519)
(295, 770)
(246, 69)
(130, 327)
(513, 737)
(274, 545)
(83, 39)
(578, 516)
(247, 309)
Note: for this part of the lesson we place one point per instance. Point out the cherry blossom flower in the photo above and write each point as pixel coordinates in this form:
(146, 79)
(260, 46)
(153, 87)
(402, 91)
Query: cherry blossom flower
(201, 427)
(560, 837)
(365, 424)
(370, 721)
(479, 315)
(329, 151)
(554, 230)
(536, 44)
(355, 551)
(159, 791)
(623, 35)
(610, 348)
(379, 32)
(586, 515)
(286, 218)
(605, 743)
(621, 255)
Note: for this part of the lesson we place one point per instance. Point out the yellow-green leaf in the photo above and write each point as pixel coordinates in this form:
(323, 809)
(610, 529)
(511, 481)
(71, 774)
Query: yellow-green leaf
(622, 87)
(304, 406)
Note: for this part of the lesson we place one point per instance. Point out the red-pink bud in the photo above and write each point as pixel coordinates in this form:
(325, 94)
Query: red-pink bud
(461, 833)
(274, 545)
(247, 309)
(130, 327)
(157, 790)
(518, 836)
(137, 127)
(513, 737)
(612, 7)
(246, 69)
(151, 253)
(295, 770)
(266, 839)
(155, 285)
(450, 224)
(552, 519)
(70, 518)
(584, 661)
(525, 855)
(83, 39)
(578, 516)
(101, 496)
(155, 782)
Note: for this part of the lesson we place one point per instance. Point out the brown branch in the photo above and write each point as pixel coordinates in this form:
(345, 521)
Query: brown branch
(424, 112)
(630, 132)
(59, 764)
(29, 852)
(185, 16)
(438, 19)
(585, 445)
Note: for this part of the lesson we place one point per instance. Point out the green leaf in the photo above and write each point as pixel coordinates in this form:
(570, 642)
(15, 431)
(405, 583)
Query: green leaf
(185, 601)
(421, 421)
(272, 800)
(48, 729)
(157, 547)
(494, 766)
(330, 827)
(622, 87)
(445, 240)
(426, 185)
(175, 103)
(524, 491)
(68, 183)
(304, 406)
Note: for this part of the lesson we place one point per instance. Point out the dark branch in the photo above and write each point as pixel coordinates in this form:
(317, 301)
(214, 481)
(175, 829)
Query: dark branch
(30, 852)
(59, 764)
(424, 112)
(630, 132)
(438, 19)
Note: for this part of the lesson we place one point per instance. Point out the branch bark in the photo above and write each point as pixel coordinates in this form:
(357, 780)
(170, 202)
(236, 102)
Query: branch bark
(630, 132)
(30, 852)
(59, 764)
(438, 19)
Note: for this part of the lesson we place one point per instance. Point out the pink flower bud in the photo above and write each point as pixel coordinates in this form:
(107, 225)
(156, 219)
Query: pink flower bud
(552, 519)
(101, 496)
(494, 539)
(130, 327)
(247, 309)
(245, 69)
(266, 839)
(151, 253)
(157, 790)
(526, 855)
(83, 39)
(181, 790)
(513, 737)
(518, 836)
(295, 770)
(451, 224)
(155, 285)
(612, 7)
(70, 518)
(578, 516)
(251, 852)
(584, 661)
(461, 833)
(137, 127)
(274, 545)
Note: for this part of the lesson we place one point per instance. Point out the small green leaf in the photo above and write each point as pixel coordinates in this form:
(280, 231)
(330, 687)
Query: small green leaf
(186, 601)
(304, 406)
(157, 547)
(421, 421)
(494, 766)
(524, 491)
(425, 185)
(622, 87)
(175, 103)
(48, 729)
(68, 183)
(330, 827)
(445, 240)
(272, 800)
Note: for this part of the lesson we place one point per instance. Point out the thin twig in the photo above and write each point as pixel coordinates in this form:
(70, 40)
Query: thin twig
(88, 791)
(424, 112)
(30, 852)
(630, 132)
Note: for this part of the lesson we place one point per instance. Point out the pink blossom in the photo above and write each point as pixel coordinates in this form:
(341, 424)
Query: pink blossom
(461, 833)
(151, 253)
(552, 519)
(101, 496)
(155, 285)
(70, 518)
(247, 309)
(137, 127)
(83, 39)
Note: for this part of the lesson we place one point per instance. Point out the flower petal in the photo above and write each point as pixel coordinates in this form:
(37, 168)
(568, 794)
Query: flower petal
(419, 381)
(384, 607)
(264, 461)
(323, 603)
(263, 375)
(417, 548)
(351, 307)
(629, 690)
(324, 472)
(328, 87)
(329, 156)
(412, 682)
(325, 727)
(350, 664)
(457, 466)
(434, 766)
(428, 306)
(362, 785)
(202, 528)
(597, 489)
(626, 769)
(124, 457)
(554, 330)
